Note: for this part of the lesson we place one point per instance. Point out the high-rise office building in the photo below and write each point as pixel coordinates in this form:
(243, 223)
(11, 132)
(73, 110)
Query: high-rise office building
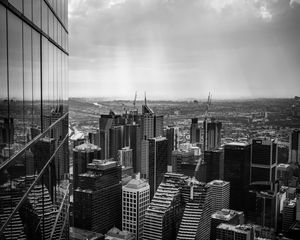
(132, 139)
(116, 141)
(171, 133)
(212, 134)
(195, 131)
(82, 156)
(147, 122)
(125, 157)
(158, 125)
(105, 124)
(227, 216)
(214, 160)
(158, 162)
(288, 214)
(284, 174)
(263, 161)
(237, 172)
(182, 161)
(164, 213)
(94, 137)
(34, 87)
(98, 197)
(295, 146)
(135, 201)
(196, 219)
(220, 191)
(265, 209)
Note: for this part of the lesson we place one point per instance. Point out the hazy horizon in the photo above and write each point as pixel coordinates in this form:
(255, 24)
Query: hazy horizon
(178, 49)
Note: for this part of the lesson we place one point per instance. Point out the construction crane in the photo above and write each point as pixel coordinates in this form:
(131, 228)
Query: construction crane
(208, 103)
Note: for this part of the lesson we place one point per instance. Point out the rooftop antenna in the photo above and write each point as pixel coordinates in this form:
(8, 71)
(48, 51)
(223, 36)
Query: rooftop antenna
(145, 99)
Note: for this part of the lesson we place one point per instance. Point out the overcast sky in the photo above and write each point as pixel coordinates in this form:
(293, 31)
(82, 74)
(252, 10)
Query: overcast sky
(176, 49)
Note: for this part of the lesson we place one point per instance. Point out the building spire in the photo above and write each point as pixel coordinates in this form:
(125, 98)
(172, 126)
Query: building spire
(145, 99)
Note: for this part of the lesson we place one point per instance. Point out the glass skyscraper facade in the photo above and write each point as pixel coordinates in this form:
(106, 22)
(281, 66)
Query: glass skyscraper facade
(34, 161)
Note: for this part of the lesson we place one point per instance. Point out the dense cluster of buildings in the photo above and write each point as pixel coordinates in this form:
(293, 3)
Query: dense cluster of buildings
(195, 190)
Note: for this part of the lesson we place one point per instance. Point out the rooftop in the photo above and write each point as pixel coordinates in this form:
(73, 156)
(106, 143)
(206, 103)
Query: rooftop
(102, 164)
(225, 214)
(87, 147)
(241, 144)
(136, 184)
(218, 183)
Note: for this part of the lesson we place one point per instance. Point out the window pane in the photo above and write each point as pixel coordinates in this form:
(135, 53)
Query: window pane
(51, 75)
(37, 12)
(45, 85)
(17, 4)
(4, 123)
(36, 79)
(55, 78)
(28, 9)
(55, 29)
(28, 107)
(15, 66)
(50, 15)
(44, 17)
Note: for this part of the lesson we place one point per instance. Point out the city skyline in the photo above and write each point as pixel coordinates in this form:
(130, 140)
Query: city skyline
(184, 49)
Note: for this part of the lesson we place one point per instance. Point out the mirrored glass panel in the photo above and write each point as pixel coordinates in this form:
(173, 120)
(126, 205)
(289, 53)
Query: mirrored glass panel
(28, 84)
(6, 136)
(36, 79)
(18, 4)
(15, 67)
(36, 12)
(28, 9)
(44, 17)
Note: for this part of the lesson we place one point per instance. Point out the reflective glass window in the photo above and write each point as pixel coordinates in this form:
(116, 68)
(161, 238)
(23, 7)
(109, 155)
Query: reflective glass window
(28, 9)
(55, 29)
(59, 34)
(27, 53)
(55, 98)
(15, 67)
(18, 4)
(36, 78)
(51, 75)
(44, 17)
(50, 16)
(36, 13)
(5, 137)
(45, 76)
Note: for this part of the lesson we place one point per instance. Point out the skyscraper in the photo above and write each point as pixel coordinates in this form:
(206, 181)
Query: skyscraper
(164, 213)
(195, 131)
(171, 133)
(212, 134)
(82, 156)
(225, 216)
(237, 172)
(34, 87)
(196, 219)
(158, 162)
(220, 191)
(135, 200)
(214, 160)
(295, 146)
(98, 197)
(263, 161)
(182, 161)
